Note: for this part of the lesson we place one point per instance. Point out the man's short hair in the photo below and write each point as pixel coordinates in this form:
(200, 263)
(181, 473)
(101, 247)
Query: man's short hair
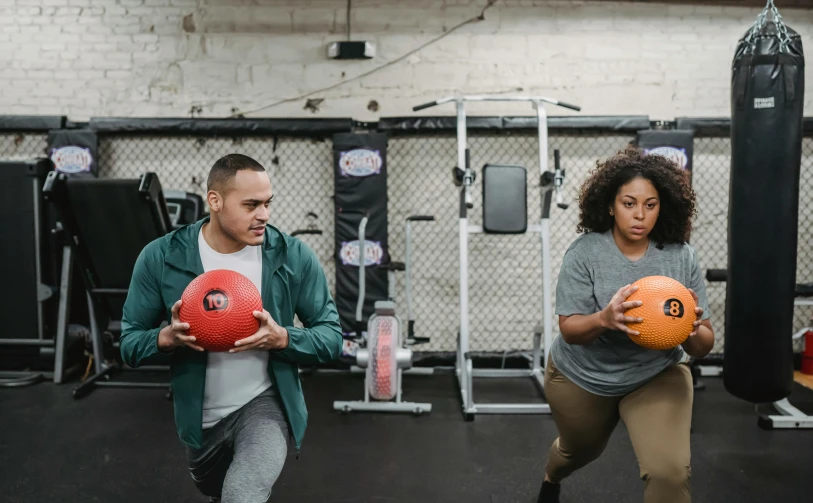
(224, 170)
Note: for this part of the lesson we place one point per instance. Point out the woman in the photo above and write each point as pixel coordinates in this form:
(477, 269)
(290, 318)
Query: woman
(635, 212)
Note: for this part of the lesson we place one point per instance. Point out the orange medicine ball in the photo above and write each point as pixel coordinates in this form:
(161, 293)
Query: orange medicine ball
(668, 312)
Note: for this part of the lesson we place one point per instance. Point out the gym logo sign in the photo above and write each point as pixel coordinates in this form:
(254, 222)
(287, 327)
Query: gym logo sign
(72, 159)
(676, 155)
(360, 162)
(673, 308)
(373, 253)
(215, 300)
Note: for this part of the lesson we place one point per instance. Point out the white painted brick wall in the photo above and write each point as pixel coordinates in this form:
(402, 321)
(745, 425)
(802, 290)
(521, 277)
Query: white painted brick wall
(161, 57)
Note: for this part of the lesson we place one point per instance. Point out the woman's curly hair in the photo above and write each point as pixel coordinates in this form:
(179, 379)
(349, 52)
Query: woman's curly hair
(677, 199)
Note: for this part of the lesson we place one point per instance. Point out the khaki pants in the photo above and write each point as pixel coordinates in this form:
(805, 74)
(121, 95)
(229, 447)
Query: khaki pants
(658, 419)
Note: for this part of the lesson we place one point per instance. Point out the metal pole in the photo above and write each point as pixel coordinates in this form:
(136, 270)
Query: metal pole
(407, 272)
(463, 343)
(542, 130)
(96, 336)
(63, 313)
(38, 257)
(362, 264)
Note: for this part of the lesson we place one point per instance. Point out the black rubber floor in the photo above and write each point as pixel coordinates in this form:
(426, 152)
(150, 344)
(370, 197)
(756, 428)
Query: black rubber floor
(119, 445)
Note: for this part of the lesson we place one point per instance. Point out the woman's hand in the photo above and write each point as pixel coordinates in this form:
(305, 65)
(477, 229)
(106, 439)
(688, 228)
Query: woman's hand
(698, 311)
(614, 317)
(701, 339)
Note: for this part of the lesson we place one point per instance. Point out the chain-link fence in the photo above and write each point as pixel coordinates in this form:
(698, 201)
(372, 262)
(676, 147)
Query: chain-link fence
(505, 272)
(300, 169)
(19, 146)
(712, 159)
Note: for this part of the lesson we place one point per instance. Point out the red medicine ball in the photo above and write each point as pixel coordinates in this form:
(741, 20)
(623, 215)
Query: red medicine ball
(219, 307)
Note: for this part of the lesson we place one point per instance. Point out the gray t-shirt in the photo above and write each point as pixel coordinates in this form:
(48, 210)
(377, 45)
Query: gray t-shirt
(593, 270)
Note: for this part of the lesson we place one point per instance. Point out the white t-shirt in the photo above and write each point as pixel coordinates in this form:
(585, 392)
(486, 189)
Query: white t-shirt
(233, 379)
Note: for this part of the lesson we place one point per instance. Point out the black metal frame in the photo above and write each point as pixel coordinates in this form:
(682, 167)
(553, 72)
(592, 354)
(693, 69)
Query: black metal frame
(101, 317)
(44, 343)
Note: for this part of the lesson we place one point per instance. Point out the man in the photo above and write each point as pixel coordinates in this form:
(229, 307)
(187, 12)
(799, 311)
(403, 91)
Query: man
(235, 410)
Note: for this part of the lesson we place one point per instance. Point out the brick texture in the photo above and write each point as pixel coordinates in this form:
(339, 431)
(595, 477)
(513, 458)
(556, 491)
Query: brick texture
(162, 57)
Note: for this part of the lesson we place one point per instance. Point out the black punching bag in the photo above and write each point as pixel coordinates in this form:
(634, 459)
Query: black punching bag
(767, 94)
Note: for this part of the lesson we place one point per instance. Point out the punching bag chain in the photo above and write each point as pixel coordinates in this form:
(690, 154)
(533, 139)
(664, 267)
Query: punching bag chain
(782, 31)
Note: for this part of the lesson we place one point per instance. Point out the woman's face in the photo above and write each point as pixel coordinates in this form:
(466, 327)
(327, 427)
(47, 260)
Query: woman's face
(635, 209)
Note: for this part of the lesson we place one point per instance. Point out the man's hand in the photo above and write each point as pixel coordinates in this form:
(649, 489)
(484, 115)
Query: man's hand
(269, 336)
(174, 334)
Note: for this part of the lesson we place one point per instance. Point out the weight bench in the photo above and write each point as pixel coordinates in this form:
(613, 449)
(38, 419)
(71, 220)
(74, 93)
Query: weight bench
(505, 211)
(108, 222)
(789, 416)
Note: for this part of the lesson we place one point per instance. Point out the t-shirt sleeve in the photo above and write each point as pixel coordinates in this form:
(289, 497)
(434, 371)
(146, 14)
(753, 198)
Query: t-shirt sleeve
(574, 288)
(697, 284)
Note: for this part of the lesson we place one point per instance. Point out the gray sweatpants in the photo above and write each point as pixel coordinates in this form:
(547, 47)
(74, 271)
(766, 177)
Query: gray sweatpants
(243, 454)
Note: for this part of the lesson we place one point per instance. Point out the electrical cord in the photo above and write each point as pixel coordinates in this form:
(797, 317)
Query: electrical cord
(480, 17)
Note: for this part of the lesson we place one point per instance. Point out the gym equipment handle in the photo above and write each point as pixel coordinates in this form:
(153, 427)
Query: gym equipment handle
(568, 105)
(496, 98)
(362, 266)
(421, 218)
(558, 180)
(721, 275)
(717, 274)
(425, 105)
(306, 231)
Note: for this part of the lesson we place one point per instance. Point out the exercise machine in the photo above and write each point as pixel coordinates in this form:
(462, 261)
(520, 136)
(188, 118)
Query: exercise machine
(108, 222)
(183, 207)
(385, 353)
(788, 417)
(504, 212)
(37, 342)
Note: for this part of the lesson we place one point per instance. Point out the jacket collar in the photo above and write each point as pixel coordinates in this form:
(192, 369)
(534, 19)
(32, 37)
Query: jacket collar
(183, 252)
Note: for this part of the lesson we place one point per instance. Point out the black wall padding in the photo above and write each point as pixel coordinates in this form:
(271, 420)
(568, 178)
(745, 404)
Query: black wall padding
(676, 145)
(226, 127)
(30, 123)
(74, 151)
(360, 188)
(420, 124)
(767, 99)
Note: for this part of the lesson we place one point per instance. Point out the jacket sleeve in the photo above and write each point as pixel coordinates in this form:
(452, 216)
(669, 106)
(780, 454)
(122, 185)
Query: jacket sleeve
(321, 339)
(143, 312)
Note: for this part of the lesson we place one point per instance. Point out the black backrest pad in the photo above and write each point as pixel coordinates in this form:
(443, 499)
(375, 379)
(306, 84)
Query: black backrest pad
(505, 204)
(115, 223)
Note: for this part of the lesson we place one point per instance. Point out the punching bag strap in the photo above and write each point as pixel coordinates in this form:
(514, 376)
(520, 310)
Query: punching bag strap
(789, 72)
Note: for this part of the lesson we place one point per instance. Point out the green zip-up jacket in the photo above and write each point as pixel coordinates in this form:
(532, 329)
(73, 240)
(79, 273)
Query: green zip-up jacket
(293, 283)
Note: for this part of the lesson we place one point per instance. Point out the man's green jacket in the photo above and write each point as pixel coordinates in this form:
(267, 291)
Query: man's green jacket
(293, 283)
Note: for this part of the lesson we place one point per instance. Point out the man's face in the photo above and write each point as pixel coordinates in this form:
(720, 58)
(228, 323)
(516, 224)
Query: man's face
(243, 210)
